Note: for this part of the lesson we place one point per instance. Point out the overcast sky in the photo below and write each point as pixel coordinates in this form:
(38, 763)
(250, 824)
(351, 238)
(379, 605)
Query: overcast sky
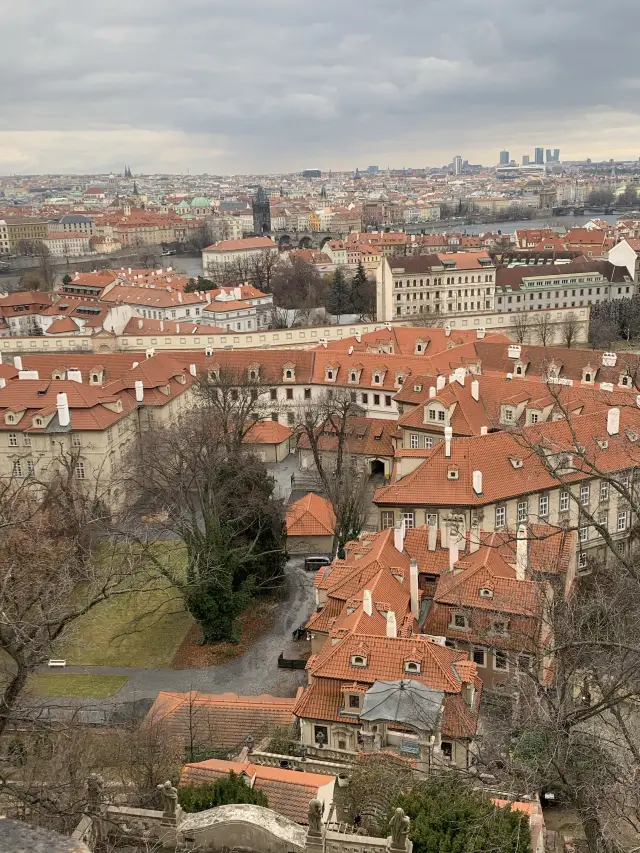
(259, 86)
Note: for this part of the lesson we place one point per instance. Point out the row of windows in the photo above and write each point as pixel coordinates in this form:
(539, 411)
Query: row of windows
(414, 441)
(27, 468)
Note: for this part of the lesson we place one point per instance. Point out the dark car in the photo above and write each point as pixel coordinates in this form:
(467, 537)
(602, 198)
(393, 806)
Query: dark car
(316, 561)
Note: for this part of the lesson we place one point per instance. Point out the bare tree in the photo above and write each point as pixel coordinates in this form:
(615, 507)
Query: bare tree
(298, 285)
(428, 318)
(521, 327)
(570, 329)
(543, 328)
(341, 476)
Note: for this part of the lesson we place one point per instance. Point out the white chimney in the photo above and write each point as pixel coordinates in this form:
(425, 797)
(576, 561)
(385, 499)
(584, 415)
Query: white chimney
(609, 359)
(0, 357)
(432, 392)
(448, 435)
(484, 430)
(28, 374)
(134, 365)
(447, 331)
(192, 370)
(3, 381)
(514, 351)
(413, 577)
(477, 482)
(64, 418)
(162, 325)
(358, 337)
(367, 603)
(522, 553)
(129, 270)
(177, 328)
(150, 352)
(179, 296)
(433, 537)
(392, 630)
(480, 333)
(474, 538)
(140, 324)
(613, 421)
(475, 390)
(399, 533)
(458, 374)
(17, 362)
(74, 375)
(453, 552)
(440, 382)
(139, 391)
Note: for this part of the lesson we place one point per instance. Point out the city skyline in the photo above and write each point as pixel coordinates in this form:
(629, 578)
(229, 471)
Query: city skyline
(256, 88)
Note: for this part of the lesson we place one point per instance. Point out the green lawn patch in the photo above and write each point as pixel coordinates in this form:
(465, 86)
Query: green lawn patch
(83, 686)
(142, 629)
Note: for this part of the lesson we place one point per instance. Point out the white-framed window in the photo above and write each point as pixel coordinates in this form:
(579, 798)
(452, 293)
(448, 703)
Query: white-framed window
(17, 468)
(603, 519)
(441, 415)
(358, 660)
(414, 441)
(432, 414)
(582, 560)
(26, 440)
(564, 501)
(501, 516)
(13, 439)
(500, 660)
(31, 468)
(533, 417)
(432, 519)
(387, 519)
(428, 442)
(508, 415)
(624, 479)
(409, 520)
(583, 532)
(460, 621)
(522, 511)
(479, 656)
(622, 519)
(543, 506)
(604, 490)
(584, 494)
(76, 441)
(80, 472)
(411, 666)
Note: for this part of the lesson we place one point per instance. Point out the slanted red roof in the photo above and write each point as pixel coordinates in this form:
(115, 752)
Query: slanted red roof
(310, 516)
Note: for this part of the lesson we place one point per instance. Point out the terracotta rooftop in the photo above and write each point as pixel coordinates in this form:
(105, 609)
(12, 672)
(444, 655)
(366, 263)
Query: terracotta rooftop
(312, 515)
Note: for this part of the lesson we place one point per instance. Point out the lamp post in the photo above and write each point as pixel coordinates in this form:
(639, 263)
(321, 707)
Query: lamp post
(249, 744)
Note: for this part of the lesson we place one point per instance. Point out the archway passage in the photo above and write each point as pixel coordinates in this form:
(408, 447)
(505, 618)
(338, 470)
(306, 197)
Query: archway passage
(376, 468)
(305, 243)
(285, 240)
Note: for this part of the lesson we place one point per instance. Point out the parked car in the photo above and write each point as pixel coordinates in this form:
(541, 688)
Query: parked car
(316, 561)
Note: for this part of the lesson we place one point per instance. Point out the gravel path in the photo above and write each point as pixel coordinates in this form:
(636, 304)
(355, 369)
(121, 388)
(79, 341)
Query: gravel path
(254, 673)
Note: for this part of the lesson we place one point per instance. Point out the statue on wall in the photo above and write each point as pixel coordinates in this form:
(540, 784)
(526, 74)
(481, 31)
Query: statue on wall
(315, 817)
(399, 826)
(169, 799)
(95, 793)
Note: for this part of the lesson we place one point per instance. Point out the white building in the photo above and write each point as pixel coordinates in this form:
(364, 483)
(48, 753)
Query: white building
(67, 244)
(4, 238)
(228, 252)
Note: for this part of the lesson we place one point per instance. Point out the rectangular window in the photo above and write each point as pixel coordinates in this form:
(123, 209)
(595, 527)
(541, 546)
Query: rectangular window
(522, 511)
(291, 418)
(13, 439)
(273, 394)
(387, 399)
(543, 506)
(582, 561)
(432, 519)
(622, 520)
(564, 501)
(80, 471)
(289, 393)
(76, 440)
(525, 662)
(584, 495)
(409, 520)
(501, 516)
(478, 656)
(432, 414)
(459, 621)
(31, 468)
(388, 519)
(624, 479)
(17, 468)
(583, 532)
(274, 416)
(441, 415)
(500, 660)
(365, 399)
(26, 440)
(376, 399)
(307, 393)
(354, 701)
(414, 441)
(428, 442)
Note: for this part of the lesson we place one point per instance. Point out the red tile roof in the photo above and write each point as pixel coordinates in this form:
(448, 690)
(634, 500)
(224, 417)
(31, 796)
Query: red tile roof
(267, 432)
(312, 515)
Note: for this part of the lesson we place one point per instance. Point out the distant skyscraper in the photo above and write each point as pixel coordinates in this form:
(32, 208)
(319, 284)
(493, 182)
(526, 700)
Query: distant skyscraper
(457, 165)
(261, 212)
(504, 158)
(556, 155)
(526, 160)
(373, 170)
(539, 157)
(549, 155)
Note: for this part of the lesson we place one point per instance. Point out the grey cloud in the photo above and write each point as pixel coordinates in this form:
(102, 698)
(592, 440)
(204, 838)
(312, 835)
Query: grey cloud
(280, 84)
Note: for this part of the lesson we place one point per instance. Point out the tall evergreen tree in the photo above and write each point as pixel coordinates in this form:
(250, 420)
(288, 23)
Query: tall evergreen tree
(339, 296)
(363, 293)
(231, 789)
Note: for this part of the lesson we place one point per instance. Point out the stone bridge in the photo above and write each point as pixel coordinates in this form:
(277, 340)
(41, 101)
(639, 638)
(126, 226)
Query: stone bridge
(305, 239)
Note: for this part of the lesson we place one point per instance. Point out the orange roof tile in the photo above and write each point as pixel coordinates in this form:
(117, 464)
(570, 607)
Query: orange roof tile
(312, 515)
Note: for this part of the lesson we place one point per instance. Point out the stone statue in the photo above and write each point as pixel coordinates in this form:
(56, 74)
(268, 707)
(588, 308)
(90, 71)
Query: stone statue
(399, 826)
(95, 793)
(315, 817)
(169, 799)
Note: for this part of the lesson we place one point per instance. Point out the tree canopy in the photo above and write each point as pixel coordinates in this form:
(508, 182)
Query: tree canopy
(448, 816)
(223, 792)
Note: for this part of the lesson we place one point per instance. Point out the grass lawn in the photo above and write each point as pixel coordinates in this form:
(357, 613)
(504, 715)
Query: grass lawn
(85, 686)
(143, 629)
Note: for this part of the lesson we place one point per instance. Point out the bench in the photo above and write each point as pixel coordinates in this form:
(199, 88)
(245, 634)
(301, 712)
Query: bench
(57, 662)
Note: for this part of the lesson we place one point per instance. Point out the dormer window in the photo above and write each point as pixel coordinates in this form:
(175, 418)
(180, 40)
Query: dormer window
(95, 378)
(253, 374)
(500, 628)
(417, 388)
(38, 422)
(485, 592)
(399, 379)
(10, 418)
(519, 370)
(625, 380)
(376, 379)
(353, 376)
(460, 621)
(517, 463)
(452, 473)
(358, 660)
(412, 666)
(507, 414)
